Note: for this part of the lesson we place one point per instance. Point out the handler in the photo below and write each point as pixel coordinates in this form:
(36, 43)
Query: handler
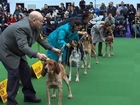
(15, 43)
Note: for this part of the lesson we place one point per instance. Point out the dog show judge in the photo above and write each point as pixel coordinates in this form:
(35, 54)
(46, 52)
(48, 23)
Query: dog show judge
(15, 43)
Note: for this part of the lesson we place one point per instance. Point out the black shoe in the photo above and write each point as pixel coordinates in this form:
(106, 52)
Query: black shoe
(100, 54)
(33, 100)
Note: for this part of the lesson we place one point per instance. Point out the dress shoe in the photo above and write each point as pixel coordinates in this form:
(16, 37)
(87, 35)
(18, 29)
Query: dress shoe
(100, 54)
(33, 100)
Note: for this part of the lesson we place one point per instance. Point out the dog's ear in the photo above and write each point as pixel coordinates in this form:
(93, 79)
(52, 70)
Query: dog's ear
(44, 71)
(111, 39)
(82, 39)
(57, 68)
(106, 40)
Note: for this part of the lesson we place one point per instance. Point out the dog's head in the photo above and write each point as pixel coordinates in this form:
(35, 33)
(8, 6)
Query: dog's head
(50, 66)
(86, 38)
(109, 40)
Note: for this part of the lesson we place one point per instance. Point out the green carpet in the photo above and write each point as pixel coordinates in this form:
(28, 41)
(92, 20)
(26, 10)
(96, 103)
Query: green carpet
(114, 81)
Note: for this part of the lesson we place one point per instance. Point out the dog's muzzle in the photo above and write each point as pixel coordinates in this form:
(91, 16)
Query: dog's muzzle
(86, 38)
(44, 72)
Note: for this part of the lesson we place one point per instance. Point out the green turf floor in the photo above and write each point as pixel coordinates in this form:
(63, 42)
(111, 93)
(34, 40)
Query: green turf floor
(114, 81)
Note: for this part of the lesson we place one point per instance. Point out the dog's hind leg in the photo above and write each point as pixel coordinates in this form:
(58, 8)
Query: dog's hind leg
(54, 94)
(68, 86)
(93, 51)
(96, 57)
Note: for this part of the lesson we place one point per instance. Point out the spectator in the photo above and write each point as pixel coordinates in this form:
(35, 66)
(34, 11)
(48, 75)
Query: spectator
(11, 19)
(102, 9)
(3, 22)
(17, 10)
(131, 15)
(90, 7)
(45, 10)
(19, 17)
(136, 25)
(123, 10)
(82, 4)
(104, 16)
(72, 12)
(47, 26)
(111, 9)
(111, 20)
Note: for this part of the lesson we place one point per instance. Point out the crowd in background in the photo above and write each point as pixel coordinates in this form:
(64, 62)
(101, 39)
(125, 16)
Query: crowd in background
(120, 14)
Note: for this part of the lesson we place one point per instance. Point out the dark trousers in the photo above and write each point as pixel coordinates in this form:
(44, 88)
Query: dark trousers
(22, 73)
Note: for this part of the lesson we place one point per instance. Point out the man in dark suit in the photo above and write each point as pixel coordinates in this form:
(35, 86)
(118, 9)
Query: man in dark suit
(111, 9)
(15, 43)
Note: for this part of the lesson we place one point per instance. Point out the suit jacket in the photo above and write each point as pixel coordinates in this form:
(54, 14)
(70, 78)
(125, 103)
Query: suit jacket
(111, 10)
(16, 41)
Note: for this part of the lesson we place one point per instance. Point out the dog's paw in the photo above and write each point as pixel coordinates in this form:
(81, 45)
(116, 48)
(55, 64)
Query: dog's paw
(85, 72)
(53, 96)
(77, 80)
(97, 62)
(112, 54)
(109, 55)
(88, 67)
(69, 78)
(70, 96)
(82, 67)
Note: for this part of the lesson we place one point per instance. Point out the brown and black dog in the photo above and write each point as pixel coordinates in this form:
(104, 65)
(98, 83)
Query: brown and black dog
(55, 74)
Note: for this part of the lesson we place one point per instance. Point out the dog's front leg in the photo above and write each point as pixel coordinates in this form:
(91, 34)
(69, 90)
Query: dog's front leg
(48, 95)
(68, 86)
(89, 60)
(105, 50)
(109, 51)
(84, 61)
(60, 95)
(70, 69)
(112, 50)
(77, 74)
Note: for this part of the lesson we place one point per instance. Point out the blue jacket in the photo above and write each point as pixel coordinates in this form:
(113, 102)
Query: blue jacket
(61, 36)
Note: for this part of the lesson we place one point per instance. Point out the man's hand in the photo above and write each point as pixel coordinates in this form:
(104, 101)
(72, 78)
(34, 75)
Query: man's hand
(58, 51)
(41, 56)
